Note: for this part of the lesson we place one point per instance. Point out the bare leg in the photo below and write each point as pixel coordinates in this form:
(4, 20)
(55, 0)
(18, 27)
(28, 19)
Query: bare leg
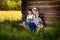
(25, 26)
(39, 28)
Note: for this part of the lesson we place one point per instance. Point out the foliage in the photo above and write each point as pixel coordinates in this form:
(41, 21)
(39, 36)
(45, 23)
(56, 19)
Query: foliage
(12, 31)
(56, 25)
(10, 4)
(10, 15)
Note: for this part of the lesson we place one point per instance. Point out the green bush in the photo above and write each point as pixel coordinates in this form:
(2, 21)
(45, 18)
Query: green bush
(10, 4)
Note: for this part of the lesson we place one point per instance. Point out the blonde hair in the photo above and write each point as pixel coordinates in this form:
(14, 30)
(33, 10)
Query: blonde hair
(37, 14)
(37, 11)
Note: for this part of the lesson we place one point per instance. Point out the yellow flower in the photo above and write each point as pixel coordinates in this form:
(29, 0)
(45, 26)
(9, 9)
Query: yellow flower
(10, 15)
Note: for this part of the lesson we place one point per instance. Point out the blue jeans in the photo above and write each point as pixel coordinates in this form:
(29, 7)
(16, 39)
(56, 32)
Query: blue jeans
(31, 25)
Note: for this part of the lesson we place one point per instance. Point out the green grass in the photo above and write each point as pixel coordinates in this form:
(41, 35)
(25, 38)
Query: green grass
(12, 31)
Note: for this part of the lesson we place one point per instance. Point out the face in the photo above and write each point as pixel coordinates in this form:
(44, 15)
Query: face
(37, 14)
(34, 12)
(29, 12)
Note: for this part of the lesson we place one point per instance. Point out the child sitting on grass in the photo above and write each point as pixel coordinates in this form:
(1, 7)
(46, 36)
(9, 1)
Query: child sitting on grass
(38, 22)
(33, 21)
(29, 19)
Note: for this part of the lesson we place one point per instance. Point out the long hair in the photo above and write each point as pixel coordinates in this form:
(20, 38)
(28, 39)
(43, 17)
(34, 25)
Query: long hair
(37, 13)
(41, 16)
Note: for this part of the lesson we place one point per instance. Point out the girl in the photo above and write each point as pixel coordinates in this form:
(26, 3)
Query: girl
(38, 21)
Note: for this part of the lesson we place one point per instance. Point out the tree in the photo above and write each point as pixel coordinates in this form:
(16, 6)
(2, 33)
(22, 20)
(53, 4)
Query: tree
(10, 4)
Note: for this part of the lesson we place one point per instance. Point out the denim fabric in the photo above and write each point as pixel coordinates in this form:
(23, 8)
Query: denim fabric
(31, 25)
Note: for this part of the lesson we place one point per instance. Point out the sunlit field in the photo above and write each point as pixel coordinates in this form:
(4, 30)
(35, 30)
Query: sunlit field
(10, 15)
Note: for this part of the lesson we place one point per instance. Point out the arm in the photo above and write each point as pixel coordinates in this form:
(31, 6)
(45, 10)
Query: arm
(27, 18)
(41, 22)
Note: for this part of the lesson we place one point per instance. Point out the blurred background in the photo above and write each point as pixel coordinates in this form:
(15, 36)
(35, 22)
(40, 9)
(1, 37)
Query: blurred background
(10, 4)
(13, 12)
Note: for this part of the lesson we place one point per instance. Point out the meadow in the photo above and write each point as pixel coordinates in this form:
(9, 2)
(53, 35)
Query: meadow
(10, 30)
